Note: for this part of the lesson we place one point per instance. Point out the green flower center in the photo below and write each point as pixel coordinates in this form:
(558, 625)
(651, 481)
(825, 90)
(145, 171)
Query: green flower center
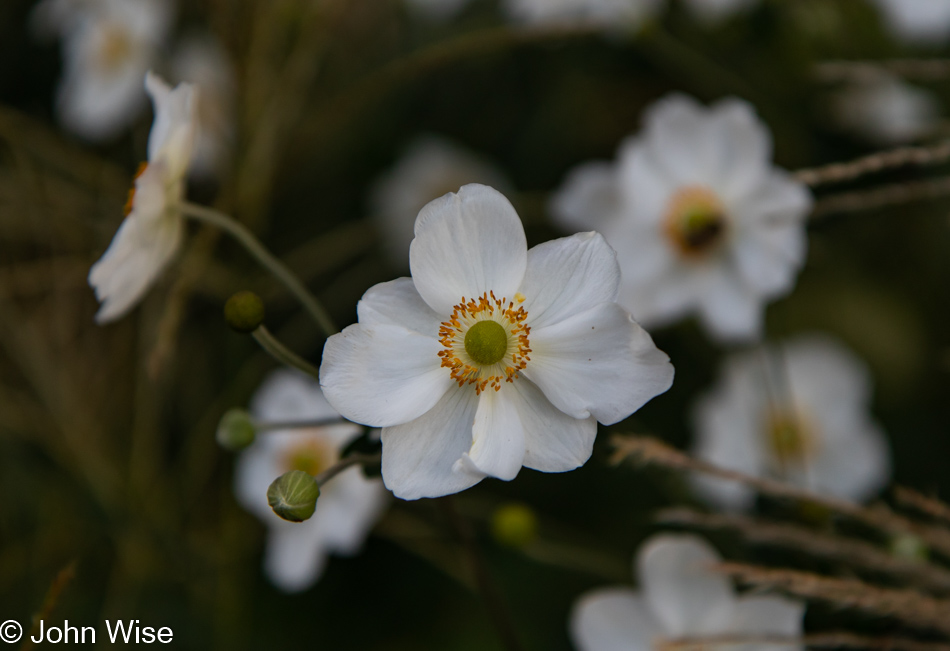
(791, 439)
(312, 457)
(695, 221)
(486, 342)
(701, 227)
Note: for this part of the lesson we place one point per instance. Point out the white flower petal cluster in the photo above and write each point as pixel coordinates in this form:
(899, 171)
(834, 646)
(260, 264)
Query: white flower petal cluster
(491, 357)
(152, 231)
(797, 412)
(886, 110)
(680, 596)
(429, 168)
(349, 504)
(701, 220)
(612, 15)
(108, 46)
(200, 60)
(917, 21)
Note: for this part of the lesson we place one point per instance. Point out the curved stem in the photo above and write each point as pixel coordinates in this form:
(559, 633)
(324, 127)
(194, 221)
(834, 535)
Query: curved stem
(281, 353)
(343, 464)
(267, 259)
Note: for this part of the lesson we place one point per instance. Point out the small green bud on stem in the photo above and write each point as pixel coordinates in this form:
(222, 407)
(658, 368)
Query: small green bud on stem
(244, 312)
(514, 525)
(293, 495)
(236, 430)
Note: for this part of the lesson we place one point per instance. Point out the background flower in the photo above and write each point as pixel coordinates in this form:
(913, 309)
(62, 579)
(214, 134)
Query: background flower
(799, 412)
(613, 15)
(886, 110)
(917, 21)
(349, 504)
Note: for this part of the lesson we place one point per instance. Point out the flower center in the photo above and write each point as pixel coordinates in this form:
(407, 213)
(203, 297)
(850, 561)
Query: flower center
(695, 221)
(114, 48)
(486, 341)
(791, 439)
(311, 455)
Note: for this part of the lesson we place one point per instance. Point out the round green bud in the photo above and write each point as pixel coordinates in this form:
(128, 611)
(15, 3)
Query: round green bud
(909, 547)
(244, 312)
(514, 525)
(236, 430)
(486, 342)
(293, 495)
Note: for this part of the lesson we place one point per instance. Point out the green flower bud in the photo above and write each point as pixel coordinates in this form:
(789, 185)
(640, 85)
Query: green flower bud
(514, 525)
(293, 495)
(244, 312)
(236, 430)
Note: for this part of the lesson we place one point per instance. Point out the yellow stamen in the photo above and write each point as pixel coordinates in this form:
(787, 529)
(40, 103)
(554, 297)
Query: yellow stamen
(695, 221)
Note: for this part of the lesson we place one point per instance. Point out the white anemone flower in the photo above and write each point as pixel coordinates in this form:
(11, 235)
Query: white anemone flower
(199, 59)
(886, 110)
(152, 231)
(491, 357)
(701, 220)
(349, 504)
(796, 412)
(681, 595)
(612, 15)
(429, 168)
(108, 46)
(917, 21)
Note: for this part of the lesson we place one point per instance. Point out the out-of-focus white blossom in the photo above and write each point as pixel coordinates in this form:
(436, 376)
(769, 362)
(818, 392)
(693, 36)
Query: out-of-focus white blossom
(612, 15)
(108, 46)
(917, 21)
(886, 110)
(797, 412)
(200, 60)
(429, 168)
(152, 231)
(491, 357)
(349, 504)
(681, 595)
(701, 220)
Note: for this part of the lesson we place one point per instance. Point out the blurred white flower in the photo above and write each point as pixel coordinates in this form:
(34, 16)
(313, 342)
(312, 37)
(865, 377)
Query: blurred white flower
(917, 21)
(715, 11)
(491, 357)
(797, 412)
(680, 596)
(886, 110)
(349, 504)
(200, 60)
(612, 15)
(438, 9)
(108, 45)
(151, 233)
(429, 168)
(701, 220)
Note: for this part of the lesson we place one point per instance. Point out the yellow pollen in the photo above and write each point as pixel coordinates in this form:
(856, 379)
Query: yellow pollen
(486, 342)
(114, 48)
(790, 437)
(695, 221)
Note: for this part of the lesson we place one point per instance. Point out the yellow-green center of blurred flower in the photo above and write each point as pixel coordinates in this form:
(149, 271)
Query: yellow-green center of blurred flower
(791, 439)
(486, 342)
(695, 221)
(311, 456)
(114, 48)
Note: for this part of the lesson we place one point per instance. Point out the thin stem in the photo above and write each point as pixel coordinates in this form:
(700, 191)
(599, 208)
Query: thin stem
(935, 154)
(343, 464)
(869, 71)
(267, 259)
(267, 426)
(281, 353)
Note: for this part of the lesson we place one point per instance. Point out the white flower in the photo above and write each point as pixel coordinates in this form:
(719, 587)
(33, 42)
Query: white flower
(680, 596)
(438, 9)
(798, 412)
(429, 168)
(612, 15)
(701, 221)
(152, 231)
(200, 60)
(715, 11)
(491, 356)
(108, 45)
(918, 21)
(886, 110)
(349, 504)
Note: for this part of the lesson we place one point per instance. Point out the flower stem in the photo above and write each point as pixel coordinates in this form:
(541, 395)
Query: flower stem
(343, 464)
(267, 259)
(281, 353)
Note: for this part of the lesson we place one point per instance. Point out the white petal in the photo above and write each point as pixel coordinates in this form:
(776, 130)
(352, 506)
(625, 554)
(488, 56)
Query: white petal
(613, 619)
(588, 198)
(497, 435)
(856, 465)
(683, 591)
(554, 441)
(598, 363)
(295, 556)
(743, 147)
(382, 375)
(768, 616)
(645, 186)
(467, 244)
(728, 308)
(419, 457)
(769, 256)
(290, 395)
(398, 303)
(777, 198)
(681, 139)
(172, 137)
(568, 276)
(349, 506)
